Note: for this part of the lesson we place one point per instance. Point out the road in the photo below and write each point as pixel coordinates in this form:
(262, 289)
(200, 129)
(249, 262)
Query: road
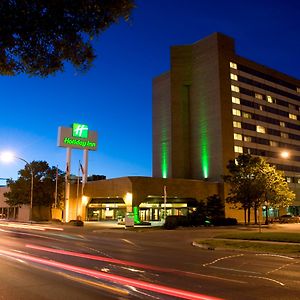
(41, 262)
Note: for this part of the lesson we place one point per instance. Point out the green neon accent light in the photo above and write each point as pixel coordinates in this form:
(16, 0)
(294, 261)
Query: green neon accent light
(136, 216)
(80, 143)
(164, 159)
(204, 143)
(80, 130)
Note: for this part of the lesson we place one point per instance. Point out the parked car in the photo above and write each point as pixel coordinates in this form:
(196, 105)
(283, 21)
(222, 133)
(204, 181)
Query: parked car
(288, 219)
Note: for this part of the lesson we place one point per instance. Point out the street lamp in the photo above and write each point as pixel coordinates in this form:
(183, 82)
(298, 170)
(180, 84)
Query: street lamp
(8, 157)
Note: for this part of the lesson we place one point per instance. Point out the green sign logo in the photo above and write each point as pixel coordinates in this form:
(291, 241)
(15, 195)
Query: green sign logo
(80, 130)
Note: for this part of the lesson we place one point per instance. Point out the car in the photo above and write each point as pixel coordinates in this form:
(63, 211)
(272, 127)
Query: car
(289, 219)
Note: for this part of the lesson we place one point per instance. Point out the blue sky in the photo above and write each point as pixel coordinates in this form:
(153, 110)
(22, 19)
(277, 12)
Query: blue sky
(114, 97)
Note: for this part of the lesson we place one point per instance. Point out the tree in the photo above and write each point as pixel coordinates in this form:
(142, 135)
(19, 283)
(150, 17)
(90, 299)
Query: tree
(43, 185)
(215, 207)
(253, 182)
(37, 37)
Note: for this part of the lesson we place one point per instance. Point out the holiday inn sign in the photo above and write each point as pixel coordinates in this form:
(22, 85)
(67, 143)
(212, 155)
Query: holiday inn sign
(78, 137)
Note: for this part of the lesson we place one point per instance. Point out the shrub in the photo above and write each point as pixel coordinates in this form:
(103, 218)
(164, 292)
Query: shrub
(76, 223)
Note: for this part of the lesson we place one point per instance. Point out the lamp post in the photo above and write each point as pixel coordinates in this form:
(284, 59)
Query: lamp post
(7, 157)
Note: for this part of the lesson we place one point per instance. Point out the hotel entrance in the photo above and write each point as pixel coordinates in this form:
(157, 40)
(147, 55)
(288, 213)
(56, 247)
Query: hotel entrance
(154, 208)
(105, 209)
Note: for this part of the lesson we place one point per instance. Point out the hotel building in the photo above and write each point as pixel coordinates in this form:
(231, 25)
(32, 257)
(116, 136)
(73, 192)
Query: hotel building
(214, 104)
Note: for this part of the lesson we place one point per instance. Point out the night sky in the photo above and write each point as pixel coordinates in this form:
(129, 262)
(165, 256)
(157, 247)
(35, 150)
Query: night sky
(114, 97)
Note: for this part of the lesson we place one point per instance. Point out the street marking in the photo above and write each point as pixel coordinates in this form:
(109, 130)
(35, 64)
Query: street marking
(269, 279)
(129, 242)
(222, 258)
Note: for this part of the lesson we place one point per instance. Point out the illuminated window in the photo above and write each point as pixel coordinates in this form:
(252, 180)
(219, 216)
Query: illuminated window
(260, 129)
(237, 124)
(235, 88)
(258, 96)
(284, 135)
(297, 180)
(233, 65)
(238, 149)
(298, 90)
(238, 136)
(233, 76)
(292, 116)
(247, 138)
(282, 124)
(246, 115)
(236, 112)
(261, 108)
(269, 99)
(288, 179)
(273, 144)
(235, 100)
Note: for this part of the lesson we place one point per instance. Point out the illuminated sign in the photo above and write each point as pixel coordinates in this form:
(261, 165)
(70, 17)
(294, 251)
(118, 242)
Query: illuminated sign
(80, 130)
(78, 137)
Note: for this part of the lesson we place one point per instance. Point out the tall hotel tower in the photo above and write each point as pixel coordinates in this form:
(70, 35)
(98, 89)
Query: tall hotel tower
(213, 105)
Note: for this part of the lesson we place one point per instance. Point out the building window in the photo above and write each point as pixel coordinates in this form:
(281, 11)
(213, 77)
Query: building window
(237, 124)
(238, 136)
(233, 65)
(233, 76)
(258, 96)
(235, 100)
(235, 88)
(284, 135)
(247, 138)
(297, 180)
(238, 149)
(273, 144)
(236, 112)
(261, 107)
(282, 124)
(292, 116)
(288, 179)
(247, 115)
(269, 99)
(260, 129)
(298, 90)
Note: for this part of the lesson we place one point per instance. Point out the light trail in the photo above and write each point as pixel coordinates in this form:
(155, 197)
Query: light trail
(114, 278)
(130, 263)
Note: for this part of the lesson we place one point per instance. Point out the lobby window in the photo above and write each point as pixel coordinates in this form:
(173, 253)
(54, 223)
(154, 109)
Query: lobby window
(260, 129)
(233, 76)
(258, 96)
(282, 124)
(273, 143)
(270, 99)
(292, 116)
(237, 124)
(235, 100)
(247, 138)
(236, 112)
(233, 65)
(284, 135)
(235, 88)
(238, 149)
(247, 115)
(238, 136)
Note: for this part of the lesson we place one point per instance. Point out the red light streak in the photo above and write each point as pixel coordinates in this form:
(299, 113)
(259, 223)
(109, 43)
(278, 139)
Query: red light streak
(115, 278)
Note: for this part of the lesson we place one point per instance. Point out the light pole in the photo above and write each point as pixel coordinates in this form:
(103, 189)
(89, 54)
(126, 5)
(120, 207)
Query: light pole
(8, 157)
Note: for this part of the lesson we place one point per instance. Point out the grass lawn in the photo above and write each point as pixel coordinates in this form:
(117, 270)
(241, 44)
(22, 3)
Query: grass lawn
(254, 241)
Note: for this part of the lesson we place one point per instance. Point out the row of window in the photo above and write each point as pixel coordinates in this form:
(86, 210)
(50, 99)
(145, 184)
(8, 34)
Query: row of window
(269, 109)
(264, 76)
(268, 98)
(260, 152)
(262, 129)
(262, 141)
(265, 119)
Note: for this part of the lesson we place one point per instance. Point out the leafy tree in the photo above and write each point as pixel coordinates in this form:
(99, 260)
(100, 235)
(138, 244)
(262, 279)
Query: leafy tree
(37, 37)
(215, 207)
(44, 182)
(253, 182)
